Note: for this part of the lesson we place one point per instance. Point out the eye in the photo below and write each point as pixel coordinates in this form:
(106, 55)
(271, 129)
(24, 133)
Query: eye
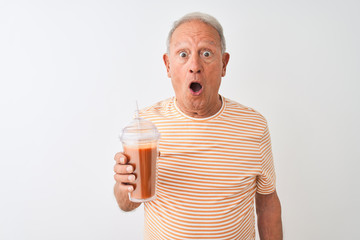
(206, 54)
(183, 54)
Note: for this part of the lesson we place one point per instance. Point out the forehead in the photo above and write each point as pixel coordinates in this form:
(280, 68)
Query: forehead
(194, 32)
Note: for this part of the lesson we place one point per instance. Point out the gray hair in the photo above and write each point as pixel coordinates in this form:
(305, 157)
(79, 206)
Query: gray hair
(203, 17)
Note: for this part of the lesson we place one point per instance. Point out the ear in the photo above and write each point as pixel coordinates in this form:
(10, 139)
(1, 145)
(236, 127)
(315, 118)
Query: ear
(225, 61)
(167, 64)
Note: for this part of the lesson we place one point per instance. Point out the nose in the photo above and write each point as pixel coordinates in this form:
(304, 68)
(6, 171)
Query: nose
(195, 64)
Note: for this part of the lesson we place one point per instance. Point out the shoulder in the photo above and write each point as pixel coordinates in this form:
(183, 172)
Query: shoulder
(237, 110)
(158, 108)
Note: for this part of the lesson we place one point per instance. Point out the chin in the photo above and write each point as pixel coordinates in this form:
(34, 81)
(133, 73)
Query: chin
(197, 103)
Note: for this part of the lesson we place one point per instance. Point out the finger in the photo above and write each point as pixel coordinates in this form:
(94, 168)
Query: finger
(123, 169)
(124, 178)
(125, 187)
(120, 158)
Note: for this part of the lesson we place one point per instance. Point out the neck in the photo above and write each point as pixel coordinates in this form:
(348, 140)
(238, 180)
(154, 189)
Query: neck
(202, 110)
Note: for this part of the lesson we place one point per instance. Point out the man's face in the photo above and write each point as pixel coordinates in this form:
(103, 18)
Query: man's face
(195, 65)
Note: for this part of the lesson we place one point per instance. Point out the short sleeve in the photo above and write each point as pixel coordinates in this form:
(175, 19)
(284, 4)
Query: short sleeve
(266, 180)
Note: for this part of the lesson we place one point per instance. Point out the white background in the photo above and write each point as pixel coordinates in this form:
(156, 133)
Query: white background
(70, 72)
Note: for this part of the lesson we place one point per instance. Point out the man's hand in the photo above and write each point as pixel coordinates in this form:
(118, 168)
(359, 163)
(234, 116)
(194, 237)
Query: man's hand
(268, 211)
(124, 177)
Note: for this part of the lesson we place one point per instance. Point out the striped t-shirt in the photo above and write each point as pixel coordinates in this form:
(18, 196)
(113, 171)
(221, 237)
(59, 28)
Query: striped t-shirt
(208, 172)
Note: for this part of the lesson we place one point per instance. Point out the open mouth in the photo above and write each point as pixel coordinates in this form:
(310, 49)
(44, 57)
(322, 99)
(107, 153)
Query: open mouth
(195, 87)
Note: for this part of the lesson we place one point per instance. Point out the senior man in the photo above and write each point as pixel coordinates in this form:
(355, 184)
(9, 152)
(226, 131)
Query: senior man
(216, 158)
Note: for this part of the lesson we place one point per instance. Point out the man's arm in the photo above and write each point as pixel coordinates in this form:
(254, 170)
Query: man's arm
(268, 211)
